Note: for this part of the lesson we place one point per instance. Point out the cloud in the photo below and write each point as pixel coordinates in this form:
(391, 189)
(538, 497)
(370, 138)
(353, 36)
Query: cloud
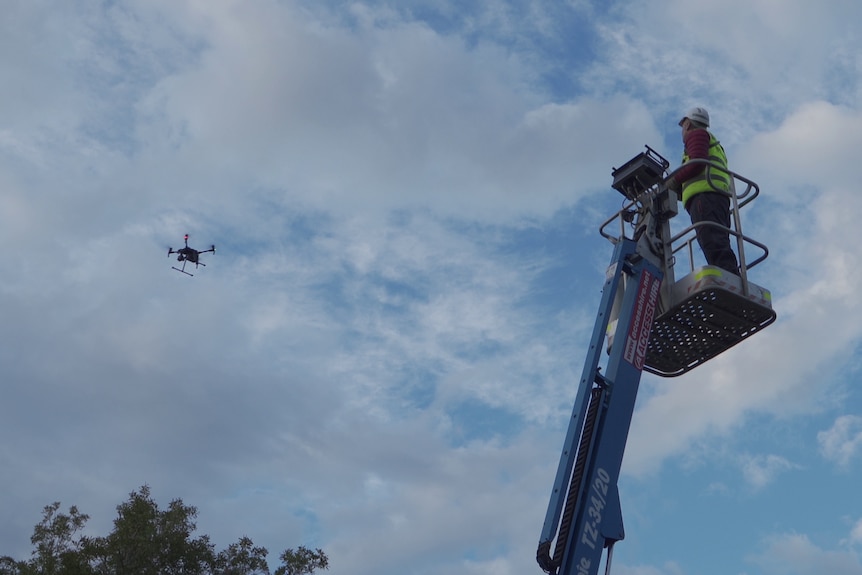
(756, 51)
(669, 568)
(843, 441)
(425, 503)
(856, 534)
(794, 554)
(371, 117)
(761, 470)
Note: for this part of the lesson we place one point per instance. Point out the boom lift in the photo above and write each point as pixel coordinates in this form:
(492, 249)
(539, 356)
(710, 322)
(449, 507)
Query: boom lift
(650, 322)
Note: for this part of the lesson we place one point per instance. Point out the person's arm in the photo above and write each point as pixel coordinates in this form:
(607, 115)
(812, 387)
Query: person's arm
(696, 143)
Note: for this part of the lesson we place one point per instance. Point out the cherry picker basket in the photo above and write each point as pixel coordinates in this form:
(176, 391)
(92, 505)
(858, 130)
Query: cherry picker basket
(709, 310)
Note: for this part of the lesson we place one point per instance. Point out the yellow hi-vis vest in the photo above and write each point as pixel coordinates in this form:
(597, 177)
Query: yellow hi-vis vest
(711, 179)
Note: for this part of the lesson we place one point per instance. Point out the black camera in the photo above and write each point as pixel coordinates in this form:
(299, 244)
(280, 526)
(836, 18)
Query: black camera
(639, 174)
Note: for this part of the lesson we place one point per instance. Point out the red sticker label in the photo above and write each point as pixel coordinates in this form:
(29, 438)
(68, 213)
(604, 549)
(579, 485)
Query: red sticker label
(641, 325)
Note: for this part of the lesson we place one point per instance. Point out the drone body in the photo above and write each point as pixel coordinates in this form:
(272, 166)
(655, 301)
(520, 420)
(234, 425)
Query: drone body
(188, 254)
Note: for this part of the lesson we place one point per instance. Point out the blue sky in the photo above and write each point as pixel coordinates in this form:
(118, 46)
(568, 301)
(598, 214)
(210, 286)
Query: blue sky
(381, 358)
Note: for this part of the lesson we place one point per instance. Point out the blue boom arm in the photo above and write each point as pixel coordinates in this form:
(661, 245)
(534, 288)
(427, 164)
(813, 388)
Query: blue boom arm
(584, 514)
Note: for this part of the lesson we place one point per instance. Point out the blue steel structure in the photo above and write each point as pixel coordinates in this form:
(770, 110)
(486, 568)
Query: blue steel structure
(646, 321)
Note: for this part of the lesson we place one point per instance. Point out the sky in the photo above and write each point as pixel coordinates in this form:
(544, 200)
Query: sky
(381, 357)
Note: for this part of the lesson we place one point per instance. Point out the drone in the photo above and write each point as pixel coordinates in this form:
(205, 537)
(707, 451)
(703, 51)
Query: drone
(188, 254)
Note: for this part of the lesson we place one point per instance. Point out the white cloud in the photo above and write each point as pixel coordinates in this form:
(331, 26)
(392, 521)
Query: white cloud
(794, 554)
(669, 568)
(374, 118)
(843, 441)
(744, 65)
(811, 147)
(761, 470)
(420, 514)
(856, 534)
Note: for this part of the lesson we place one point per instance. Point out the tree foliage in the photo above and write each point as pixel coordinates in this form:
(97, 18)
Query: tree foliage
(147, 540)
(303, 561)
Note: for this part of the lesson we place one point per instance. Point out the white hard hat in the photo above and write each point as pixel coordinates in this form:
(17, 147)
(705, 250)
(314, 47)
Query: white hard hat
(696, 114)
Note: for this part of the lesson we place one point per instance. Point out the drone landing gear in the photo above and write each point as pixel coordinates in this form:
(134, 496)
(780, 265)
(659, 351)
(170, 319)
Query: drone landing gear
(183, 270)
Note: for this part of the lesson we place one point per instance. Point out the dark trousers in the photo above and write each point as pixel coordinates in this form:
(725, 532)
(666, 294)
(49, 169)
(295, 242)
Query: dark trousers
(714, 241)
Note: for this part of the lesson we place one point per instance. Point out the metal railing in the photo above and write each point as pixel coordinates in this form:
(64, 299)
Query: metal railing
(737, 202)
(685, 239)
